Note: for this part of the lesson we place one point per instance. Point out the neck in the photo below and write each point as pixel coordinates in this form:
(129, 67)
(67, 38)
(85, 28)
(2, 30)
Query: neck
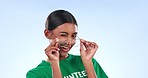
(60, 58)
(63, 57)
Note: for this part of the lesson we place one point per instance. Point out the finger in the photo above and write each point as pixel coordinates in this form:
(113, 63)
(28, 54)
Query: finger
(89, 45)
(86, 43)
(52, 51)
(93, 49)
(54, 42)
(51, 55)
(52, 47)
(83, 41)
(81, 47)
(96, 47)
(57, 42)
(93, 44)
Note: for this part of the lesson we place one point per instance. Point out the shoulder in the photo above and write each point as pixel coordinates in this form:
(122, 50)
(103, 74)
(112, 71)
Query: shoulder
(94, 61)
(78, 57)
(40, 70)
(98, 69)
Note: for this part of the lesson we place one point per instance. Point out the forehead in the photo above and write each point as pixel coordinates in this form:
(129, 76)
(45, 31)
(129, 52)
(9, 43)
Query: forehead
(66, 27)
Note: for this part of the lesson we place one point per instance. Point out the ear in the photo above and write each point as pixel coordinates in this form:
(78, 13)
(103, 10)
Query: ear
(47, 33)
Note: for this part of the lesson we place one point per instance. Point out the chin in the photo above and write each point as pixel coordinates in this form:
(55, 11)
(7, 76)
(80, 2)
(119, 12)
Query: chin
(64, 51)
(63, 55)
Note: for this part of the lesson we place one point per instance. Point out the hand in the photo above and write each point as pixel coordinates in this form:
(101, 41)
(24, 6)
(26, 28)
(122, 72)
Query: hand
(87, 49)
(52, 51)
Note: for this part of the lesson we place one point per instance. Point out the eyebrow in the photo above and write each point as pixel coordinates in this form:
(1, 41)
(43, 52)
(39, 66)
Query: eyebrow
(67, 33)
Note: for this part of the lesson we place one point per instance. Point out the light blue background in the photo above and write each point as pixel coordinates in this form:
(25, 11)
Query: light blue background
(119, 27)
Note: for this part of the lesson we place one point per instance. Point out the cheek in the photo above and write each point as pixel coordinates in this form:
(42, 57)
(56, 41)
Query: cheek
(62, 39)
(73, 42)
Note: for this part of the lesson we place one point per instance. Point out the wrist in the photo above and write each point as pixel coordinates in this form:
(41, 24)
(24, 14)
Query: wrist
(54, 63)
(56, 69)
(86, 60)
(89, 67)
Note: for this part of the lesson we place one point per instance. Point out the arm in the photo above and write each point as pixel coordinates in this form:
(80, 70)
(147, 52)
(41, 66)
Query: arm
(56, 72)
(89, 69)
(52, 51)
(87, 51)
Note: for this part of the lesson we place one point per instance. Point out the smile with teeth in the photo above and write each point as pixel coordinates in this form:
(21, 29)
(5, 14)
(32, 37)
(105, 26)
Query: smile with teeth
(64, 49)
(64, 46)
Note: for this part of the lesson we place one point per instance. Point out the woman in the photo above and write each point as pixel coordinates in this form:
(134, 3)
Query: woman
(61, 30)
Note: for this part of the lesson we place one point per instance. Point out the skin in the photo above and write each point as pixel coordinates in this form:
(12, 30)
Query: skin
(68, 32)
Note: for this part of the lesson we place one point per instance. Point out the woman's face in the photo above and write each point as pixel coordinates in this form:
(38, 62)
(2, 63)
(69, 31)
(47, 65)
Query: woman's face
(66, 32)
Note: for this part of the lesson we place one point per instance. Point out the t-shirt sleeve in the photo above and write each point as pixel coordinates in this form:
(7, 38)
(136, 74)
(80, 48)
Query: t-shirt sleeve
(31, 74)
(99, 71)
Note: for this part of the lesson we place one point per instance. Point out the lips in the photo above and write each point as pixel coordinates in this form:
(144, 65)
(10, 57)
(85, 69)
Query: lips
(64, 49)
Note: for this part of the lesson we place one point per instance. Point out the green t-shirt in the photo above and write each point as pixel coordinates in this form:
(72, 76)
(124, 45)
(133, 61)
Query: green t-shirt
(71, 67)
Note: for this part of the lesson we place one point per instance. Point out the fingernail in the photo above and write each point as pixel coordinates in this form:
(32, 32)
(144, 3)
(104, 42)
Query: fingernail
(87, 43)
(57, 39)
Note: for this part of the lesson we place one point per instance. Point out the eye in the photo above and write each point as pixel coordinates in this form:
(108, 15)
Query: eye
(63, 34)
(74, 36)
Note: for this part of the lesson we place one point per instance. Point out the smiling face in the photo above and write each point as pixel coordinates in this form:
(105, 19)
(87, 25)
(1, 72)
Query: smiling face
(66, 33)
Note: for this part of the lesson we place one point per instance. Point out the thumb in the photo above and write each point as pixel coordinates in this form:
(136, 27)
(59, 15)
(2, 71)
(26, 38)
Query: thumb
(82, 48)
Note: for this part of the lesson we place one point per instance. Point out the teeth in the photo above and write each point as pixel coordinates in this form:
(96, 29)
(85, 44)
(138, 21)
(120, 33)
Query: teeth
(65, 47)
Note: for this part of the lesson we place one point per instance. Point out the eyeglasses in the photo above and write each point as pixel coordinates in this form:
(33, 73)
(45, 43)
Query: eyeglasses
(64, 43)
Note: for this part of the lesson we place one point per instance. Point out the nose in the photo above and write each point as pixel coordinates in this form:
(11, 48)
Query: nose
(69, 40)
